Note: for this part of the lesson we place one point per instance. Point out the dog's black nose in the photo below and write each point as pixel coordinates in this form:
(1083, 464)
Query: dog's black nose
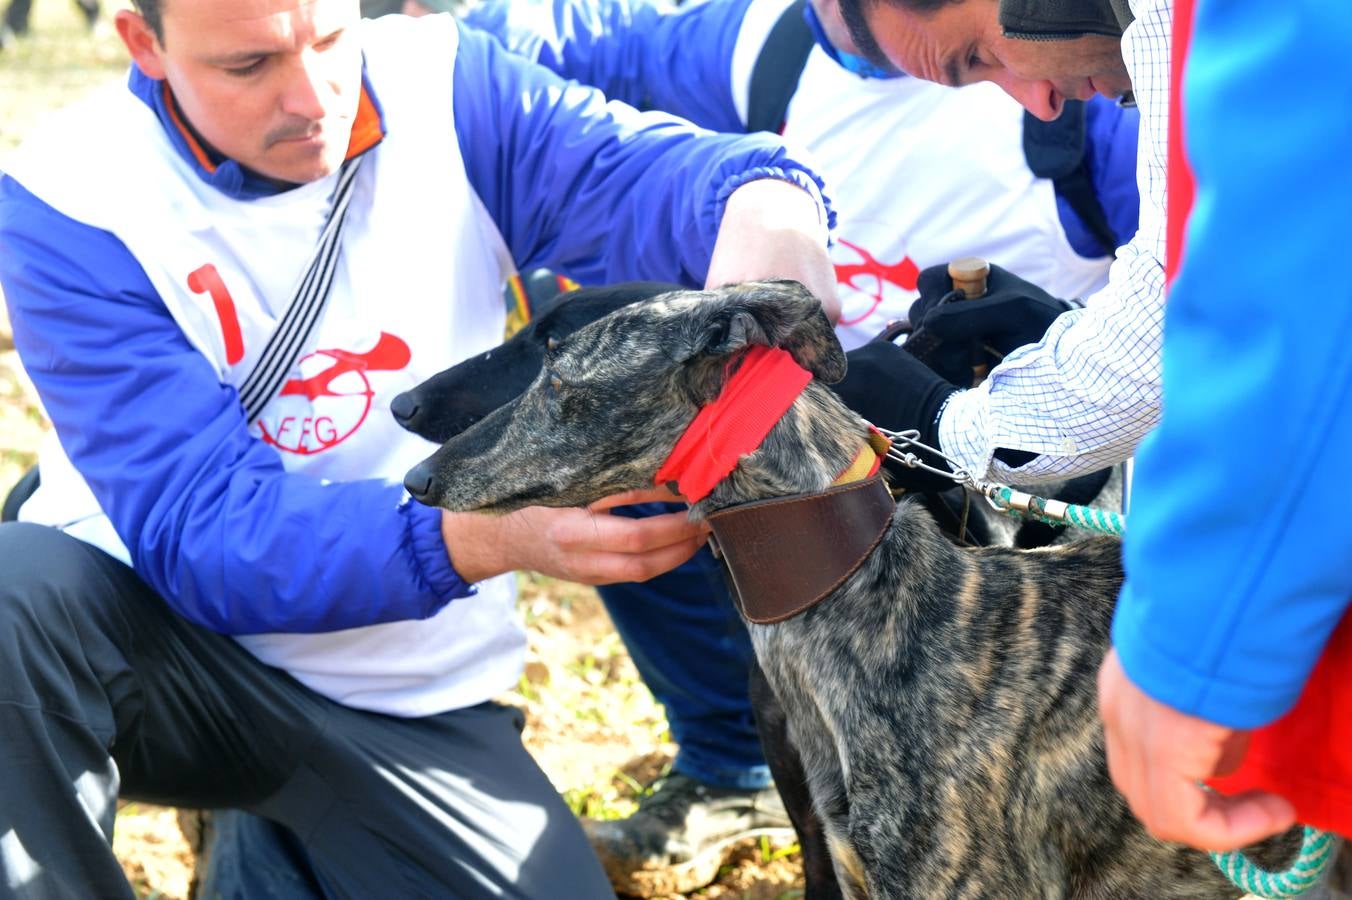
(404, 407)
(419, 480)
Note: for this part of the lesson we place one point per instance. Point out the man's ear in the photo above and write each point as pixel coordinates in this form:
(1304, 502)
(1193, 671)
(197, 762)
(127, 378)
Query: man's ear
(141, 42)
(773, 313)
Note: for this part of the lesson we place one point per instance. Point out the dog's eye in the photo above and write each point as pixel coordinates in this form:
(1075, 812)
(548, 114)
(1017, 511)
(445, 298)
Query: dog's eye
(551, 344)
(556, 382)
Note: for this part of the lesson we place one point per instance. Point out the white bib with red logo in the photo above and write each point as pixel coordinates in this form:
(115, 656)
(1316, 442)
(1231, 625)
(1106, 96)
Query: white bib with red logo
(920, 174)
(418, 288)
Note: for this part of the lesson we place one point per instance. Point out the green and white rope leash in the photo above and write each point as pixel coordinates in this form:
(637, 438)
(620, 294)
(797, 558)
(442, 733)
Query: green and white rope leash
(1316, 847)
(1053, 512)
(1316, 851)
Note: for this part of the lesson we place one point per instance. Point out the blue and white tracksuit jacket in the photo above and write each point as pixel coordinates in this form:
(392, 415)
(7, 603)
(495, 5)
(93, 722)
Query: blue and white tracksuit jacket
(294, 534)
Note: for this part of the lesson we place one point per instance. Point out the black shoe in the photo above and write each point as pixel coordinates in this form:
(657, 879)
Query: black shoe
(679, 836)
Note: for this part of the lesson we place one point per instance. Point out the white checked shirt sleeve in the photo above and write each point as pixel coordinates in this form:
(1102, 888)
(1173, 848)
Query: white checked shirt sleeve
(1085, 395)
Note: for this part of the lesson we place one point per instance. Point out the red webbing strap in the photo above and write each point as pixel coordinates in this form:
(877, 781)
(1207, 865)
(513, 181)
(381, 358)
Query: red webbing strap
(757, 396)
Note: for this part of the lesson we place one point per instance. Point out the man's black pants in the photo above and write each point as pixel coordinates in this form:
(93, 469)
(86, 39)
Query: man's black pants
(105, 690)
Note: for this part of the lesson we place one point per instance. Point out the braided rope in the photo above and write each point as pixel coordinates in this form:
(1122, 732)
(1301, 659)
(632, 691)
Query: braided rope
(1316, 851)
(1056, 512)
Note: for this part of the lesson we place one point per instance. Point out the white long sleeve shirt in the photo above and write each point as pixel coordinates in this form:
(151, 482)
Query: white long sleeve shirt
(1084, 396)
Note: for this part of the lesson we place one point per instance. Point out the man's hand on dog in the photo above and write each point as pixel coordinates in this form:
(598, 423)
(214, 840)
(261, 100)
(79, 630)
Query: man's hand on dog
(588, 546)
(775, 229)
(1157, 755)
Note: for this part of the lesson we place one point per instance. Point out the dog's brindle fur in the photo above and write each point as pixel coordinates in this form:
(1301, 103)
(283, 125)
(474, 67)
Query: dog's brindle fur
(451, 401)
(942, 699)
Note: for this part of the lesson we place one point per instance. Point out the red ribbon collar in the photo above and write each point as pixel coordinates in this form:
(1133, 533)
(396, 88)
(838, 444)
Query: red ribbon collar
(754, 398)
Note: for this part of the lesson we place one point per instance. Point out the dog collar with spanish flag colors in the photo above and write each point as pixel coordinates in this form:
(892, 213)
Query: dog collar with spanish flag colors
(868, 460)
(752, 401)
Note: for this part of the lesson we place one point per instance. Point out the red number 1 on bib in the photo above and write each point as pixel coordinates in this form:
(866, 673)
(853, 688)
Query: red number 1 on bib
(207, 280)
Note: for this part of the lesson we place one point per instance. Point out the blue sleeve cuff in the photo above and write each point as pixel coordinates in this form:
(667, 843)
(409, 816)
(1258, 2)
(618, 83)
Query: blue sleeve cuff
(434, 571)
(1170, 681)
(790, 172)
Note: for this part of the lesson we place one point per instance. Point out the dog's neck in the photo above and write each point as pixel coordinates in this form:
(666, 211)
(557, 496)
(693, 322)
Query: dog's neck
(816, 440)
(781, 498)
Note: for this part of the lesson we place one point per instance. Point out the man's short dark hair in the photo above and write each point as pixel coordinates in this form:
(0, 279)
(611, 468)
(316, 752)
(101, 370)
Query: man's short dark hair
(852, 11)
(153, 12)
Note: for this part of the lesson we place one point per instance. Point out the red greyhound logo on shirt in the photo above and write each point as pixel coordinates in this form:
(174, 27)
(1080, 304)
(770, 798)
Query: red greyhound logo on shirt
(872, 279)
(331, 400)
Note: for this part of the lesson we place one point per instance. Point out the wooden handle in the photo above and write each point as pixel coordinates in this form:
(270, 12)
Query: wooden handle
(969, 275)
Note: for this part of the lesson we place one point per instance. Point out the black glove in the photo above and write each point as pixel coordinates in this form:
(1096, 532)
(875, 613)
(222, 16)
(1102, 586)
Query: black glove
(894, 390)
(1012, 313)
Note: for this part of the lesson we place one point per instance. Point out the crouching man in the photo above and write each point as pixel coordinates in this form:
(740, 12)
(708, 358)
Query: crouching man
(221, 596)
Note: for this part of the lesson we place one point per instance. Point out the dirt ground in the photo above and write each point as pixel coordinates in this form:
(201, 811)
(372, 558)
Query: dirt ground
(592, 725)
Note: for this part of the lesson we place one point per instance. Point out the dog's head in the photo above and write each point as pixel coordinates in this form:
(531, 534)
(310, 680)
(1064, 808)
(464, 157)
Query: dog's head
(613, 398)
(448, 403)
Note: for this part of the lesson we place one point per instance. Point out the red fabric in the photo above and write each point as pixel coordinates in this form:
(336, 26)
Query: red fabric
(1306, 756)
(752, 401)
(1179, 184)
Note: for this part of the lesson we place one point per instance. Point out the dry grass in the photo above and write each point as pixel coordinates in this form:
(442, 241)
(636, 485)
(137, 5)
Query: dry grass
(594, 727)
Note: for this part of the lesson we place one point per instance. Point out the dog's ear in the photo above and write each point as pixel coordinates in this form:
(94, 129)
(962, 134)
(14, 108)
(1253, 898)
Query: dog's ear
(774, 313)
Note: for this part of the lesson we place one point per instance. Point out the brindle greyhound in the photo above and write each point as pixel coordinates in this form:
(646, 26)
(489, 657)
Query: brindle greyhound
(451, 401)
(942, 699)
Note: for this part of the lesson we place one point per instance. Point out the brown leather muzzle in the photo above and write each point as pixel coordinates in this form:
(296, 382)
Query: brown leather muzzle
(786, 554)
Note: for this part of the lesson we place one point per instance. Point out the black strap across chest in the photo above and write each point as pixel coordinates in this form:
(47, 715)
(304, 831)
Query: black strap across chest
(298, 322)
(774, 79)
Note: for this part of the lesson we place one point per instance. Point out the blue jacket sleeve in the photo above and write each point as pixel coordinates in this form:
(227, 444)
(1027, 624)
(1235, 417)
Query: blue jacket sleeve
(212, 520)
(595, 189)
(1112, 133)
(635, 51)
(1237, 556)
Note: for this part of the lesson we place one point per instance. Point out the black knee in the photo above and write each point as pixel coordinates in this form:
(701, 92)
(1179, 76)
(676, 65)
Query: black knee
(41, 564)
(56, 592)
(67, 621)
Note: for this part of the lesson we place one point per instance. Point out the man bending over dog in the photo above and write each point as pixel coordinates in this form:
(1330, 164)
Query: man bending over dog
(290, 218)
(1089, 391)
(1082, 396)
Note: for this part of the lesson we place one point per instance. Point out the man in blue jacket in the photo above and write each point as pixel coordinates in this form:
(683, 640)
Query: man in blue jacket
(913, 188)
(222, 596)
